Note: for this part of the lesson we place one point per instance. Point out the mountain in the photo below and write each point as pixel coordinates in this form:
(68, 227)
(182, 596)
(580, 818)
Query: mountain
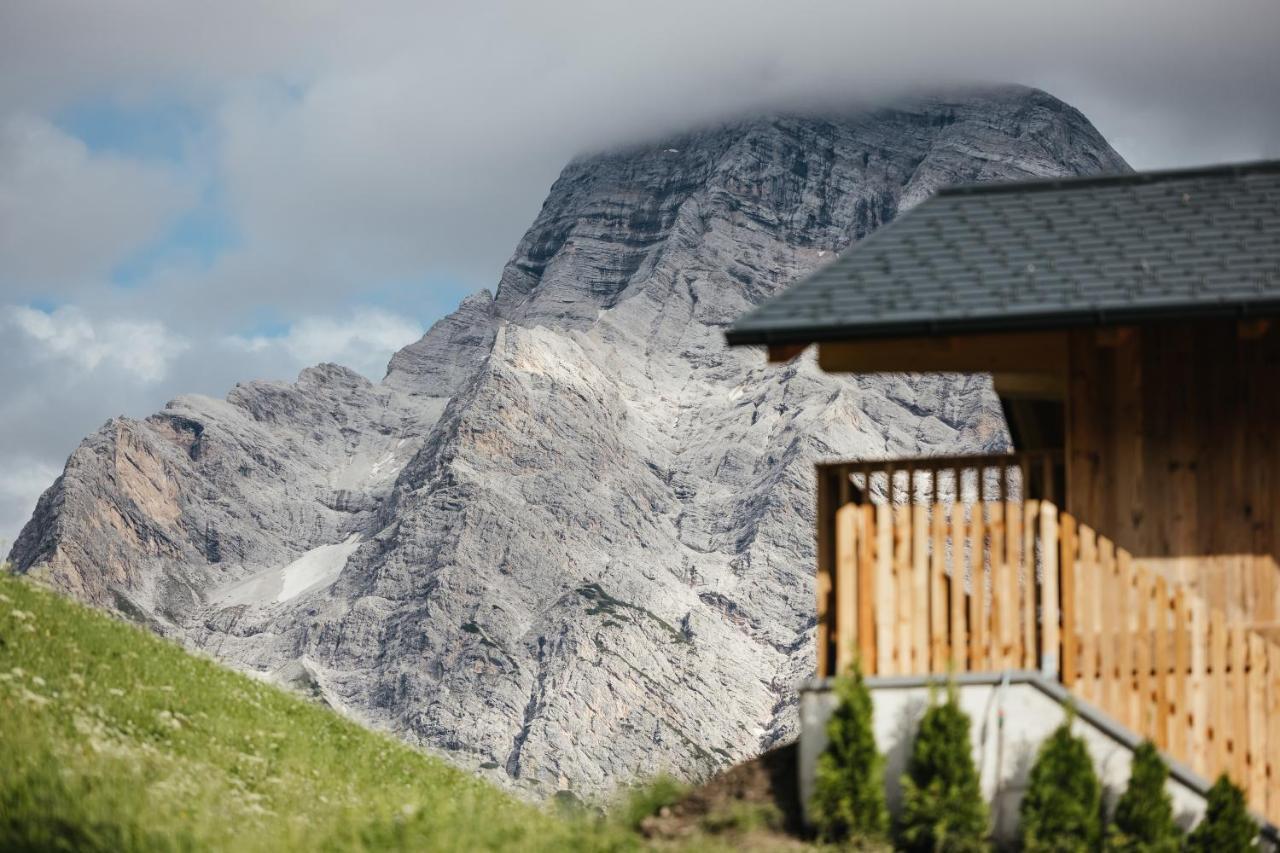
(567, 539)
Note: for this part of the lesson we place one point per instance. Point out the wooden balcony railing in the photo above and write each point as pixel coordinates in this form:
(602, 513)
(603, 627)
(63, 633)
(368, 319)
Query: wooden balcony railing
(913, 581)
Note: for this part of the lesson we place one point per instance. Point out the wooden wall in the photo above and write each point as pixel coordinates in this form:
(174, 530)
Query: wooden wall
(1173, 450)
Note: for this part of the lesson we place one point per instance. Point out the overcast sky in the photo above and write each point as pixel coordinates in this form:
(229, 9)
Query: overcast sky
(193, 194)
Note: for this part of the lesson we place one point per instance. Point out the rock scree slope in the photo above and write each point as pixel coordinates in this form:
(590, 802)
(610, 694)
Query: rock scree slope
(568, 539)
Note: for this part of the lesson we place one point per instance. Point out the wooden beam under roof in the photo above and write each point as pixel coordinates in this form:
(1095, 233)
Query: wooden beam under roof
(1004, 353)
(779, 353)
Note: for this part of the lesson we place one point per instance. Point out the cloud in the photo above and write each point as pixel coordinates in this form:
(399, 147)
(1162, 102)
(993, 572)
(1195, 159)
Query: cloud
(357, 169)
(69, 214)
(23, 481)
(143, 349)
(364, 341)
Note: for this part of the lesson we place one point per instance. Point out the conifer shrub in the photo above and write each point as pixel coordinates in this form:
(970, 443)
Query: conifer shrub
(1062, 809)
(942, 805)
(1226, 827)
(848, 800)
(1143, 820)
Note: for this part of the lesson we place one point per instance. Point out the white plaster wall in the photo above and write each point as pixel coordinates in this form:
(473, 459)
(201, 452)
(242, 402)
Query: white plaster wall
(1004, 753)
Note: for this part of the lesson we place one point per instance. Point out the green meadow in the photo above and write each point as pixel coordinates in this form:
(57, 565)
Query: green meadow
(114, 739)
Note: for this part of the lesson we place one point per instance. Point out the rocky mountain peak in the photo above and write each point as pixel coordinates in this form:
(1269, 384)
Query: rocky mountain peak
(567, 539)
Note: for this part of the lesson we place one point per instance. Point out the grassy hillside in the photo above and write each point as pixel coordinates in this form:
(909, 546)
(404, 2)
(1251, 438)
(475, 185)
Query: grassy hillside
(113, 739)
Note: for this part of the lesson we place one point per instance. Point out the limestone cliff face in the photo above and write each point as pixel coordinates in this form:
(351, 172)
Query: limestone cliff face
(568, 539)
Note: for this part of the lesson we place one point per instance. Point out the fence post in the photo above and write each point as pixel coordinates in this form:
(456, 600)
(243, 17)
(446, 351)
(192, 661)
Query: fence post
(822, 583)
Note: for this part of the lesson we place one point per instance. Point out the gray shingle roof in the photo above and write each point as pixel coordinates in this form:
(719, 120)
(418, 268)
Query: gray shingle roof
(1047, 254)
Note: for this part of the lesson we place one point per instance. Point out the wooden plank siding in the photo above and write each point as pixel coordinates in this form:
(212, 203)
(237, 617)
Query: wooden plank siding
(1173, 454)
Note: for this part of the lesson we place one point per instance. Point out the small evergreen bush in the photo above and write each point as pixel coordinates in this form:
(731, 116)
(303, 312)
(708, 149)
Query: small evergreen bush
(942, 805)
(848, 799)
(1143, 822)
(1062, 809)
(1226, 827)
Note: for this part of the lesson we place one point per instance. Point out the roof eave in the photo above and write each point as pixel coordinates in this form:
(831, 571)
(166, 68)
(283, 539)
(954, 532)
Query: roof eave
(1120, 316)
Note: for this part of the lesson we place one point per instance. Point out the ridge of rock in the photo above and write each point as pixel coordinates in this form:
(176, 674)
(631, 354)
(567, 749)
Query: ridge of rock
(579, 527)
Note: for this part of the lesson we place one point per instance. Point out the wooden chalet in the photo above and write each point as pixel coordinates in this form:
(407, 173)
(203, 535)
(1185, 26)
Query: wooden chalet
(1127, 546)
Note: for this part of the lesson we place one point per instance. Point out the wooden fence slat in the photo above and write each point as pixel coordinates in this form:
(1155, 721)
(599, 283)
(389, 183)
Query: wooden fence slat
(1273, 730)
(1239, 705)
(1144, 683)
(1067, 568)
(920, 593)
(1030, 586)
(1090, 613)
(1257, 731)
(1198, 702)
(939, 648)
(903, 588)
(846, 585)
(1012, 595)
(867, 600)
(1160, 662)
(998, 638)
(1049, 632)
(886, 591)
(959, 637)
(1113, 697)
(1014, 561)
(1217, 691)
(1181, 725)
(977, 587)
(1126, 669)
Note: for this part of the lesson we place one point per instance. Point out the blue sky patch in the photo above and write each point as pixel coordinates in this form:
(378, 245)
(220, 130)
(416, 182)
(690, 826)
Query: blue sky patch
(163, 130)
(197, 238)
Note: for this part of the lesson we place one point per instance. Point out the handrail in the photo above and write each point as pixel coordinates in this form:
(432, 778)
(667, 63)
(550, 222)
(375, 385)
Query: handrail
(986, 476)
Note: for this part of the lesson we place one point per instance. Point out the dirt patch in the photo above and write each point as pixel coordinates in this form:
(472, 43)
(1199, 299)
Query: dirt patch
(756, 804)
